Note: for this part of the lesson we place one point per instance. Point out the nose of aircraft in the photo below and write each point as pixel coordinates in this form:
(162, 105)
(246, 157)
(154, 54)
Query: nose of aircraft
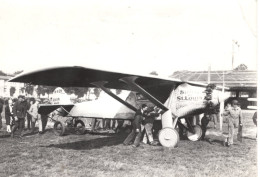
(218, 97)
(223, 96)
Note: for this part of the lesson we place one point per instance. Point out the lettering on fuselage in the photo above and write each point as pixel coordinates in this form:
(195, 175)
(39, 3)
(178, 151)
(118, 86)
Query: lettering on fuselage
(56, 100)
(60, 97)
(186, 94)
(58, 90)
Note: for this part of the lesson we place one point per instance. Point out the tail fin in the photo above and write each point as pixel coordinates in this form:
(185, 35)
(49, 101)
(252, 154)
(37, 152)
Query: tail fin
(59, 96)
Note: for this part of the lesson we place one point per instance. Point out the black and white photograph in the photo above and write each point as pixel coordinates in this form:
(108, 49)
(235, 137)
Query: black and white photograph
(129, 88)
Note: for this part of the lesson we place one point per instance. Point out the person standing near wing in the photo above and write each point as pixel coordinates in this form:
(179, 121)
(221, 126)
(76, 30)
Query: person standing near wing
(204, 123)
(148, 125)
(33, 111)
(19, 112)
(234, 120)
(29, 117)
(136, 132)
(9, 115)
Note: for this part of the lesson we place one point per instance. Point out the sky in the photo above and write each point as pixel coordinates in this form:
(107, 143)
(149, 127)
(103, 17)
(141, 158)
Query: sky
(127, 35)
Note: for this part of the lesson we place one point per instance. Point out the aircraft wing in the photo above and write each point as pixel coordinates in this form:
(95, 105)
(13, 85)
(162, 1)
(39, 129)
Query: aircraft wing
(48, 108)
(76, 76)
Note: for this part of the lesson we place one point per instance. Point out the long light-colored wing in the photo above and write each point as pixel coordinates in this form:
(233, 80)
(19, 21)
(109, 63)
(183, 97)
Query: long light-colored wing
(76, 76)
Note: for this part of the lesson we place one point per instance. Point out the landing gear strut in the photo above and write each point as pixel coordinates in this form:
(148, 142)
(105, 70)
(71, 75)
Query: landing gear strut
(73, 124)
(193, 132)
(196, 134)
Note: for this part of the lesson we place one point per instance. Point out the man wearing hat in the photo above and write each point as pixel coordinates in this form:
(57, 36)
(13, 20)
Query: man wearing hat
(19, 113)
(235, 118)
(33, 111)
(136, 132)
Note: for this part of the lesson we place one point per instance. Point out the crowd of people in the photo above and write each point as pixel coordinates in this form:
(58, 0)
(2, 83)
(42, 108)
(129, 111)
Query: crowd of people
(18, 112)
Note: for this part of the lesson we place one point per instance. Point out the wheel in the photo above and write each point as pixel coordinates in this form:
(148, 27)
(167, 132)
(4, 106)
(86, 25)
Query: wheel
(59, 128)
(169, 137)
(79, 127)
(195, 136)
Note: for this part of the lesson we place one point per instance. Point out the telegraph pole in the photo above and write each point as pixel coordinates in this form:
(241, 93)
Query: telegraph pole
(209, 70)
(222, 104)
(234, 42)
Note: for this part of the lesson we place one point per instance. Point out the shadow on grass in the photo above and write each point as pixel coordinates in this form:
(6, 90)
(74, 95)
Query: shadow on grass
(249, 138)
(5, 135)
(35, 132)
(216, 142)
(113, 140)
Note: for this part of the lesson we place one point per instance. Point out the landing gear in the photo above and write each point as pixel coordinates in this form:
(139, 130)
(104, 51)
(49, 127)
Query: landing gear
(72, 125)
(193, 132)
(169, 137)
(59, 128)
(196, 134)
(79, 127)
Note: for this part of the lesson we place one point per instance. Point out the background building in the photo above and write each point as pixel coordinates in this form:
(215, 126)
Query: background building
(10, 89)
(241, 84)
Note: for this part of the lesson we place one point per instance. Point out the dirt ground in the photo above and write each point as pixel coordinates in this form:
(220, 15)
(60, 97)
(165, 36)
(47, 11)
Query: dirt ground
(104, 155)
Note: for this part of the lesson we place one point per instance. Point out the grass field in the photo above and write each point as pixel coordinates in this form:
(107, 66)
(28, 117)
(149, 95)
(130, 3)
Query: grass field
(104, 155)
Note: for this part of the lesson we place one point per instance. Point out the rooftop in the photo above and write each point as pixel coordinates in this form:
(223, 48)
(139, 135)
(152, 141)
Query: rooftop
(232, 78)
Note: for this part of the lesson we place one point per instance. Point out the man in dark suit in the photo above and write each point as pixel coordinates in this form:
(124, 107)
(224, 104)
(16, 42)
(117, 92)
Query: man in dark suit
(19, 111)
(136, 132)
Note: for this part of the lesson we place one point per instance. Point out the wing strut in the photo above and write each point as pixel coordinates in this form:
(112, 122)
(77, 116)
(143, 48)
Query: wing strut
(131, 82)
(101, 84)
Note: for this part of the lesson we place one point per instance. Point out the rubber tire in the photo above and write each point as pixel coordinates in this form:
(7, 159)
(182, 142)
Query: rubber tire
(198, 132)
(169, 137)
(59, 131)
(80, 131)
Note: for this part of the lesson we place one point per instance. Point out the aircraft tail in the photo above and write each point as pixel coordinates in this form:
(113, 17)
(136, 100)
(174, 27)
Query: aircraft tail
(59, 96)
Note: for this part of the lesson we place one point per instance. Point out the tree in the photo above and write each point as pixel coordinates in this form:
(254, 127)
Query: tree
(241, 67)
(42, 90)
(154, 73)
(29, 88)
(79, 91)
(50, 89)
(2, 73)
(12, 91)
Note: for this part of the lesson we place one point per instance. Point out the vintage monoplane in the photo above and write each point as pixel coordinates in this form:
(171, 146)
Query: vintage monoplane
(176, 98)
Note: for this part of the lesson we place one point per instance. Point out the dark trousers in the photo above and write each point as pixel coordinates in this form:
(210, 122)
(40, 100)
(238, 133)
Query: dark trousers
(29, 121)
(1, 121)
(204, 124)
(134, 136)
(23, 124)
(7, 118)
(18, 124)
(44, 121)
(33, 127)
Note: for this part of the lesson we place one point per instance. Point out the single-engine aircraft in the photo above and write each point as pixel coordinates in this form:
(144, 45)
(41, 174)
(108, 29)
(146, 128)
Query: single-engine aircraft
(176, 98)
